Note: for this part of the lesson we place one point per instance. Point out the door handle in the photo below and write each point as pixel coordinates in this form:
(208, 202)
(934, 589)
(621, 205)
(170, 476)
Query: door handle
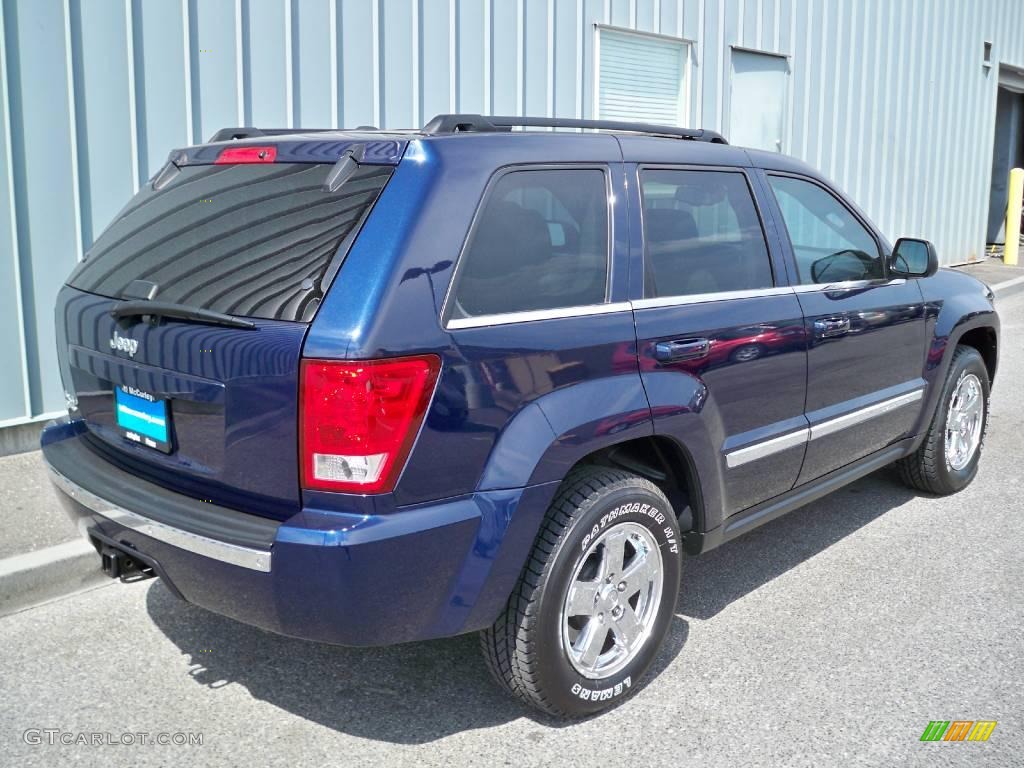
(681, 349)
(831, 326)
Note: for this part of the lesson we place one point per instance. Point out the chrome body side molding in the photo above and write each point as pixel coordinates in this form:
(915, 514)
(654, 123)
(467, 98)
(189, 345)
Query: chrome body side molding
(774, 445)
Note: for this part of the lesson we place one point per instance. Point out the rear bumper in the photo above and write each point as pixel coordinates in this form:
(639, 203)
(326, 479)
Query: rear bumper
(224, 551)
(420, 572)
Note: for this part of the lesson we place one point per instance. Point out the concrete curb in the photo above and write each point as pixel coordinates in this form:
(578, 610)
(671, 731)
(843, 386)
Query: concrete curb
(35, 577)
(1008, 287)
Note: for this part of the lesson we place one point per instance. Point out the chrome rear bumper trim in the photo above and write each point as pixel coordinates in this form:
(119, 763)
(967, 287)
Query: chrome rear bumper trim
(244, 557)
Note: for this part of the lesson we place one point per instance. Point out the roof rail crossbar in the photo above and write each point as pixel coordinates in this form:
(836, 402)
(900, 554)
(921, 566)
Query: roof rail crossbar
(469, 123)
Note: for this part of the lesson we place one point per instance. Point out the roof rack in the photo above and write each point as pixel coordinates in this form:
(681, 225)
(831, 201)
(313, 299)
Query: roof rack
(468, 123)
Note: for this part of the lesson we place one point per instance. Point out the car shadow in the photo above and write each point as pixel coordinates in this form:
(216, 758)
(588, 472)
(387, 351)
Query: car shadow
(420, 692)
(719, 577)
(412, 693)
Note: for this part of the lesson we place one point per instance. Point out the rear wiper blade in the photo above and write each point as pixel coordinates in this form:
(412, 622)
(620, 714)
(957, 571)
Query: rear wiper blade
(178, 312)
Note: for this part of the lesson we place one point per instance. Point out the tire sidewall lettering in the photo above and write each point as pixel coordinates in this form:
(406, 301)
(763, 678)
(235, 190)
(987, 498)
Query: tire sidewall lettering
(646, 511)
(602, 694)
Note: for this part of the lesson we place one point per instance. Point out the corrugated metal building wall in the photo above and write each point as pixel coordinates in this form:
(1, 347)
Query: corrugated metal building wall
(888, 97)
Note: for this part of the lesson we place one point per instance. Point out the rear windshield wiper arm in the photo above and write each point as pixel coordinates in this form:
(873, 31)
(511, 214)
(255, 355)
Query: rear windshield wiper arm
(178, 312)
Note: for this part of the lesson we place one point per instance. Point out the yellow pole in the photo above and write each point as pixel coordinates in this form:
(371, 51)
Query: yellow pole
(1013, 210)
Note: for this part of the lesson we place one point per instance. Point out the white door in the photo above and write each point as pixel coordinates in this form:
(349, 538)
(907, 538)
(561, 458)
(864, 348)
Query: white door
(757, 103)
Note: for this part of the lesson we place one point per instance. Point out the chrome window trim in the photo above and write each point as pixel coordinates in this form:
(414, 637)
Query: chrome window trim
(852, 419)
(846, 285)
(244, 557)
(662, 301)
(532, 316)
(704, 298)
(766, 448)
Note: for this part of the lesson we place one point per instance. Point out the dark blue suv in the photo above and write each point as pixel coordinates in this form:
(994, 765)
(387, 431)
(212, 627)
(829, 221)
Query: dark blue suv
(367, 387)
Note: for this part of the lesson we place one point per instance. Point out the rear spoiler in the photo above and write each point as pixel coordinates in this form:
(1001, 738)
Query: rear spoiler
(294, 145)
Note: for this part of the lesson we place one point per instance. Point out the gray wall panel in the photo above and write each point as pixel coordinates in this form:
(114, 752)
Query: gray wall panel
(400, 68)
(215, 53)
(266, 49)
(437, 58)
(14, 401)
(360, 102)
(102, 70)
(314, 53)
(45, 177)
(506, 57)
(536, 57)
(162, 83)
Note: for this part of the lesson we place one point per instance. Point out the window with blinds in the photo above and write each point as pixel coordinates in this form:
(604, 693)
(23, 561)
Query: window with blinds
(641, 78)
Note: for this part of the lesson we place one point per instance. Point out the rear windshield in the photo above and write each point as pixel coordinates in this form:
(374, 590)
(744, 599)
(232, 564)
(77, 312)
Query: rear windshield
(251, 240)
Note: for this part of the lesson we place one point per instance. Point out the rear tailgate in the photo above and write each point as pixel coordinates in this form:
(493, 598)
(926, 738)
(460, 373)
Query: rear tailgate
(203, 406)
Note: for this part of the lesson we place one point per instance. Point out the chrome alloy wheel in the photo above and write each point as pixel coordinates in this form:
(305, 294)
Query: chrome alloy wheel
(964, 422)
(612, 600)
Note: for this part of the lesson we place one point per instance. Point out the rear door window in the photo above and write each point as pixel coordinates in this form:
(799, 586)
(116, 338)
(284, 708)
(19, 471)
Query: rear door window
(702, 234)
(540, 242)
(250, 239)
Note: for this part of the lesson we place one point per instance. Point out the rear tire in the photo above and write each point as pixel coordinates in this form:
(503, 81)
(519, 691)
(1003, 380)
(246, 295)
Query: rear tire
(595, 599)
(947, 460)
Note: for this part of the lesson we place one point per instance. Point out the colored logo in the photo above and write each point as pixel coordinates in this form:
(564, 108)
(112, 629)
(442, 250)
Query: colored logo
(958, 730)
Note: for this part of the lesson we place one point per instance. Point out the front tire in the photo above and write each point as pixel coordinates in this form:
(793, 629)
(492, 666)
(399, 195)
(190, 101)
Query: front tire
(947, 460)
(595, 599)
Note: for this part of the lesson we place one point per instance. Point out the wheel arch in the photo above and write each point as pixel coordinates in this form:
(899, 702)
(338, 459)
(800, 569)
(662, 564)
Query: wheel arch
(605, 422)
(665, 462)
(650, 456)
(955, 326)
(984, 339)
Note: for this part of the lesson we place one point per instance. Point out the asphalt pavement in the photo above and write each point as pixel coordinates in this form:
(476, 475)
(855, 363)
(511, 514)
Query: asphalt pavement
(830, 637)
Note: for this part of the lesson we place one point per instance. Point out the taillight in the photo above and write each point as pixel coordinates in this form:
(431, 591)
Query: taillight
(358, 420)
(235, 155)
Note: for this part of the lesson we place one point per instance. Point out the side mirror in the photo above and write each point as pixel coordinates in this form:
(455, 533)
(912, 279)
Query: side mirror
(913, 258)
